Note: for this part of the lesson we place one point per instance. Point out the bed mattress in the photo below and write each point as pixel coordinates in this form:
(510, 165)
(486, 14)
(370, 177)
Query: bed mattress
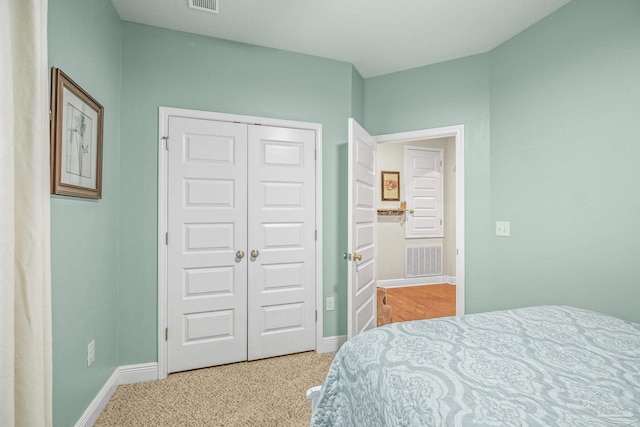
(537, 366)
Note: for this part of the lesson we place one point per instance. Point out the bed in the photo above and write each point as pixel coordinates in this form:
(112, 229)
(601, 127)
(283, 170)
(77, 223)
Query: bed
(537, 366)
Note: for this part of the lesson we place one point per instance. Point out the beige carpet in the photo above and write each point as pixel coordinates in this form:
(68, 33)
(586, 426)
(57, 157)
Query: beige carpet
(269, 392)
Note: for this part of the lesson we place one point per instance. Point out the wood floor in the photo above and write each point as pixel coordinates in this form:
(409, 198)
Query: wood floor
(422, 302)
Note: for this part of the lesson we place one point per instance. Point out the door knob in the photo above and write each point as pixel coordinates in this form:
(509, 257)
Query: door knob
(239, 254)
(357, 256)
(411, 211)
(254, 253)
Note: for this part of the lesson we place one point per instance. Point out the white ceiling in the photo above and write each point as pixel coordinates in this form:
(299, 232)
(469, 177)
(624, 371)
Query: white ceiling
(377, 37)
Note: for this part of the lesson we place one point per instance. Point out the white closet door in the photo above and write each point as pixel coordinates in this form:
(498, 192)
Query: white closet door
(281, 227)
(207, 217)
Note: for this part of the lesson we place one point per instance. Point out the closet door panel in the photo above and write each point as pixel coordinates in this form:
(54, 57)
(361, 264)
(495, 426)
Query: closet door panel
(281, 287)
(207, 217)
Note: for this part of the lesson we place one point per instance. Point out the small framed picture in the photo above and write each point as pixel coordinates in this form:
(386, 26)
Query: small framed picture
(76, 139)
(390, 185)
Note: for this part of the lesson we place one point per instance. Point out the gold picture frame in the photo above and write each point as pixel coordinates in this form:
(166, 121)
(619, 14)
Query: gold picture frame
(390, 185)
(77, 122)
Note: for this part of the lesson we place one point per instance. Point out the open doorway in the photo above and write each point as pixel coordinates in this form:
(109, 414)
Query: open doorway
(417, 237)
(364, 190)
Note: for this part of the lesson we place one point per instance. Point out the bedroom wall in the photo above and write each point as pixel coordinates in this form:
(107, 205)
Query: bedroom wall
(450, 93)
(565, 126)
(175, 69)
(85, 42)
(552, 121)
(357, 95)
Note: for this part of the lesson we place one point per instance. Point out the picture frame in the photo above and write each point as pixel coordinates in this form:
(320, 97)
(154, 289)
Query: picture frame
(77, 122)
(390, 185)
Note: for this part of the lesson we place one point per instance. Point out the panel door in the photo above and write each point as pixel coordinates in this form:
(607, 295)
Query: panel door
(207, 217)
(281, 227)
(362, 216)
(424, 192)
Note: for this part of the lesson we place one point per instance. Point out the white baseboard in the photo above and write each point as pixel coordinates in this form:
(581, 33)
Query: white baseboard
(127, 374)
(331, 344)
(131, 374)
(416, 281)
(96, 406)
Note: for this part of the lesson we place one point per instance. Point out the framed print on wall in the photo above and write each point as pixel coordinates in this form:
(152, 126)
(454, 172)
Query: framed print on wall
(390, 185)
(76, 139)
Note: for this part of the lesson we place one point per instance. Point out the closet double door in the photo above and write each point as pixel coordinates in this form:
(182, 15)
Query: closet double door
(241, 242)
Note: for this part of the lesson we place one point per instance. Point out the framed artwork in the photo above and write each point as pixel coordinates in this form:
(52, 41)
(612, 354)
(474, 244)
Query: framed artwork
(390, 185)
(76, 139)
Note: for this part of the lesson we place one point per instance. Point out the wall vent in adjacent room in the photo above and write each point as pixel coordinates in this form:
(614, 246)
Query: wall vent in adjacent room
(205, 5)
(422, 261)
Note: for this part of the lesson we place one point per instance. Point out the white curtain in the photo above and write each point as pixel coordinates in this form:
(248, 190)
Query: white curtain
(25, 278)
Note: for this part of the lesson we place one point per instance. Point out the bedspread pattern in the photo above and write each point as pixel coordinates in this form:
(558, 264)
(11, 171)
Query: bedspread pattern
(537, 366)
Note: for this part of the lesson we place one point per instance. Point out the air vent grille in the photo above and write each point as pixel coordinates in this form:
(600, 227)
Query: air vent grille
(211, 6)
(423, 261)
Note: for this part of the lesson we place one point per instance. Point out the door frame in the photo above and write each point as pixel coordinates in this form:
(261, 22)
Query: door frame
(457, 132)
(164, 113)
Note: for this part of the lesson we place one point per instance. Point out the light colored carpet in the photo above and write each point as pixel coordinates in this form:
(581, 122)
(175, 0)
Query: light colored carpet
(268, 392)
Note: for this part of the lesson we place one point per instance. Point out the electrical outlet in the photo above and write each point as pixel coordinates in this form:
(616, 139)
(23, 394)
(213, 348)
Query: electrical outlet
(91, 353)
(503, 228)
(330, 304)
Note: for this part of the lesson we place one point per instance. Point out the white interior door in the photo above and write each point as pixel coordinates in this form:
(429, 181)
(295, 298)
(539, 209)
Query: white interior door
(361, 314)
(207, 217)
(282, 233)
(424, 192)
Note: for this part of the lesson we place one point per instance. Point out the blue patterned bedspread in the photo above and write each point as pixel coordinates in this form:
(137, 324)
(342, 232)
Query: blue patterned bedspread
(538, 366)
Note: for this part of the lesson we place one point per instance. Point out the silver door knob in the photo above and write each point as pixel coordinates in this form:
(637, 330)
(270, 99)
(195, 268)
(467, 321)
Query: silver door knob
(239, 254)
(254, 253)
(411, 211)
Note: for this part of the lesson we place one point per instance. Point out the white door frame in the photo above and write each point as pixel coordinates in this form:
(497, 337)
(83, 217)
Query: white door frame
(443, 132)
(163, 123)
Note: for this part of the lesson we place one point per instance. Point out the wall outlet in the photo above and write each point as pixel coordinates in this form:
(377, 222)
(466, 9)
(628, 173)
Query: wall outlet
(330, 304)
(91, 353)
(503, 228)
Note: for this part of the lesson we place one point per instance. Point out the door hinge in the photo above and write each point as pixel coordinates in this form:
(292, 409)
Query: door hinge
(166, 334)
(440, 222)
(316, 235)
(166, 238)
(166, 142)
(440, 163)
(316, 315)
(315, 155)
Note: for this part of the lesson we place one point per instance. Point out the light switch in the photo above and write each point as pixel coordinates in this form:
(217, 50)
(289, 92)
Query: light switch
(503, 228)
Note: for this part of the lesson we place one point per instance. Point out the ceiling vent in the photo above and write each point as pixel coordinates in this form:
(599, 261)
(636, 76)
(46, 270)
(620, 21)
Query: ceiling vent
(211, 6)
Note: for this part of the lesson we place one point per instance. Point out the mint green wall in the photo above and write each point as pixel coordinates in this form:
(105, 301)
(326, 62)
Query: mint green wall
(446, 94)
(565, 144)
(357, 95)
(85, 42)
(562, 103)
(174, 69)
